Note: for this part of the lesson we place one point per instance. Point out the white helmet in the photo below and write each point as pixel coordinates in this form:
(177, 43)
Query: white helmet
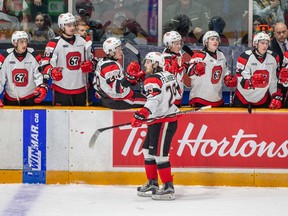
(19, 35)
(65, 18)
(209, 34)
(155, 57)
(260, 36)
(170, 37)
(110, 44)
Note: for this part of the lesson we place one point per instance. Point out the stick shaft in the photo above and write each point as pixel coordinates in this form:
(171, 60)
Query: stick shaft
(188, 50)
(232, 69)
(98, 131)
(150, 119)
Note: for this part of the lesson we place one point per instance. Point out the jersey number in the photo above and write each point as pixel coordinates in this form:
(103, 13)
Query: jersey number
(173, 92)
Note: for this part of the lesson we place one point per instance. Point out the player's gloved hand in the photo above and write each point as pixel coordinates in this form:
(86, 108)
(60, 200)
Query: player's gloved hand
(283, 75)
(40, 93)
(1, 103)
(56, 73)
(200, 68)
(172, 66)
(259, 80)
(141, 75)
(230, 81)
(86, 66)
(139, 117)
(132, 71)
(276, 101)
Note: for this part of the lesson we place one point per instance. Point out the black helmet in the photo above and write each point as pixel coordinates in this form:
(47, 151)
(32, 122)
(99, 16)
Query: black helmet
(180, 23)
(184, 23)
(217, 24)
(84, 7)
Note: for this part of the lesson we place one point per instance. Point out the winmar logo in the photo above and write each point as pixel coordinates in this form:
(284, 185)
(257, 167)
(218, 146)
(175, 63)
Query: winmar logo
(34, 154)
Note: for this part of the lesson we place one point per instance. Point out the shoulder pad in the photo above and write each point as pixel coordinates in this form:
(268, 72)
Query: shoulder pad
(31, 50)
(271, 52)
(10, 50)
(248, 52)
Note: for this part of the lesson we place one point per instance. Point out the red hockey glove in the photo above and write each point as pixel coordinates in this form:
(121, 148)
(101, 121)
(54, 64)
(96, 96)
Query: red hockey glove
(56, 73)
(230, 81)
(259, 80)
(40, 93)
(276, 101)
(200, 68)
(173, 67)
(87, 67)
(283, 75)
(132, 72)
(1, 103)
(139, 117)
(141, 75)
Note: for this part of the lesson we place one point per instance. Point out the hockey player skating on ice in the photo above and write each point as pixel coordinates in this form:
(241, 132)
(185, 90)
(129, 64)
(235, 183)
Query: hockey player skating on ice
(256, 73)
(173, 59)
(65, 61)
(20, 75)
(112, 84)
(161, 90)
(207, 70)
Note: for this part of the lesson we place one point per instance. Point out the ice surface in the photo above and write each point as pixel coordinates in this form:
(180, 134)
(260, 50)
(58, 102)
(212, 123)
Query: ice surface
(86, 200)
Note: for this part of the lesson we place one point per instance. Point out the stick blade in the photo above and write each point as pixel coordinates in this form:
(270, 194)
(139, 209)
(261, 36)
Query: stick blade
(206, 107)
(93, 139)
(132, 48)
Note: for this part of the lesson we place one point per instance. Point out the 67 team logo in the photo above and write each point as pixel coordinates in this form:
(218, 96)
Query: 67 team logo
(73, 60)
(20, 77)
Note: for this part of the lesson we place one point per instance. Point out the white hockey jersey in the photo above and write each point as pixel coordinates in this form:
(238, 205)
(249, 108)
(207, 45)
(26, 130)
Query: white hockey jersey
(207, 89)
(108, 79)
(161, 90)
(179, 75)
(60, 53)
(247, 65)
(20, 76)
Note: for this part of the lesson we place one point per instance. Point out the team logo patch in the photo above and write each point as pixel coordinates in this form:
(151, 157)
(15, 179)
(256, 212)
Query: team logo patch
(73, 60)
(216, 74)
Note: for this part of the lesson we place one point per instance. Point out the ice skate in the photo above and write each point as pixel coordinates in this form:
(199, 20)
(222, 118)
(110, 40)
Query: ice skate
(164, 193)
(146, 189)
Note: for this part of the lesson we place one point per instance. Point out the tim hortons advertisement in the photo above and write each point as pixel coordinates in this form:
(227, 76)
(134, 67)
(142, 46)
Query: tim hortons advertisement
(212, 140)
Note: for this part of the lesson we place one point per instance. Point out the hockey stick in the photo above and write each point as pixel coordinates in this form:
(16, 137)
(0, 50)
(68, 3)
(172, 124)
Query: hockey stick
(86, 48)
(249, 107)
(134, 50)
(188, 50)
(16, 93)
(232, 66)
(137, 53)
(98, 131)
